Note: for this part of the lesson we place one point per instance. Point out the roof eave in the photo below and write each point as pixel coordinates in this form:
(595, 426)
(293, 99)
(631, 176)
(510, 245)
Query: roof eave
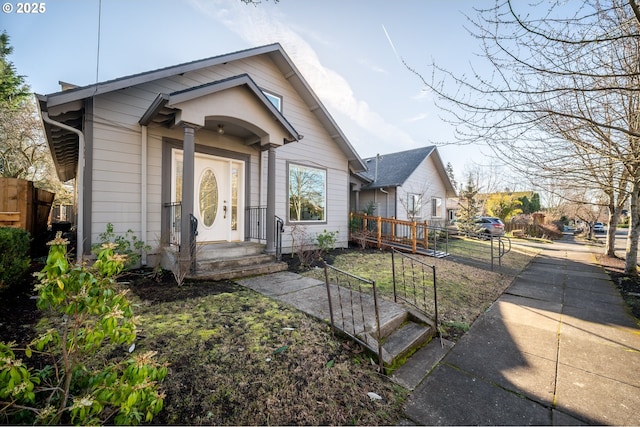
(316, 106)
(70, 95)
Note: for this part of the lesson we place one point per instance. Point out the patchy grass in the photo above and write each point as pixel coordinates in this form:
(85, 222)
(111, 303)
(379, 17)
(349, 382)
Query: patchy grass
(465, 287)
(238, 358)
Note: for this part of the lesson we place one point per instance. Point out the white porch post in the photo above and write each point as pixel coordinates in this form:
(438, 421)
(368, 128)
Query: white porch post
(271, 198)
(186, 209)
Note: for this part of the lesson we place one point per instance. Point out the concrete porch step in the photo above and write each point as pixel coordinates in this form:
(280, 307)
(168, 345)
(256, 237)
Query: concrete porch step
(233, 260)
(233, 263)
(405, 340)
(221, 251)
(232, 270)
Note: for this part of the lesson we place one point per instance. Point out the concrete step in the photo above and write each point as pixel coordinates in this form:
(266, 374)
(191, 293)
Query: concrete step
(421, 363)
(233, 263)
(220, 251)
(406, 340)
(235, 272)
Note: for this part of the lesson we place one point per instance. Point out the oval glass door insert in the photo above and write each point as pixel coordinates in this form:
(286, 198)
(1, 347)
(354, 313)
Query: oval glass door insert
(208, 197)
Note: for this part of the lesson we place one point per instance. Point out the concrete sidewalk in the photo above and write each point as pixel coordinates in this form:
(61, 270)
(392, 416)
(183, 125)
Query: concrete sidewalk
(558, 348)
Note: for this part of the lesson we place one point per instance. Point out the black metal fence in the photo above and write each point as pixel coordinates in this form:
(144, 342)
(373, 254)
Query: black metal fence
(174, 214)
(256, 220)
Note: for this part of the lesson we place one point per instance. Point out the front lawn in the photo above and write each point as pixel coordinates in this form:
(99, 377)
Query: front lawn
(236, 357)
(466, 286)
(239, 358)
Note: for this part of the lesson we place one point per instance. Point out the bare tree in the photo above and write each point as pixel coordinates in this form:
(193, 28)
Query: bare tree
(23, 149)
(563, 98)
(414, 200)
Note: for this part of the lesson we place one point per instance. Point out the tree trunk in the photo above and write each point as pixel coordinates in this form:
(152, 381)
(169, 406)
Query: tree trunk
(631, 262)
(610, 241)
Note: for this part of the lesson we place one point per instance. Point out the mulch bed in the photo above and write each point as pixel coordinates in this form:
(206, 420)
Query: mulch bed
(629, 286)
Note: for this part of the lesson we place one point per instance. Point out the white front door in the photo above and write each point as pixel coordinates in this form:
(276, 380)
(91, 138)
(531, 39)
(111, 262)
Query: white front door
(218, 196)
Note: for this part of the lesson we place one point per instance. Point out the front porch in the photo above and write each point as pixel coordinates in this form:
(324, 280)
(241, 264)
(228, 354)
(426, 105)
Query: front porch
(223, 261)
(211, 261)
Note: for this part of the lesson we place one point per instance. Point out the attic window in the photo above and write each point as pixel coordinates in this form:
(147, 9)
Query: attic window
(276, 100)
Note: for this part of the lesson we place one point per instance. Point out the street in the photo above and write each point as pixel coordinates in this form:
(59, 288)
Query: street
(621, 242)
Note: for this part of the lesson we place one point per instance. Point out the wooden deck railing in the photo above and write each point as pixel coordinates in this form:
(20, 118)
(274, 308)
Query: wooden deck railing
(414, 236)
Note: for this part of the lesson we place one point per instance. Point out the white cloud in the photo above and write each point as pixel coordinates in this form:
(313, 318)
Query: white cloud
(265, 25)
(423, 94)
(417, 118)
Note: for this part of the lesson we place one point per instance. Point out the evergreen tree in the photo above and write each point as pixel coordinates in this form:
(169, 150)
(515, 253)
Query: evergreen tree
(452, 178)
(469, 208)
(525, 205)
(530, 206)
(14, 92)
(24, 152)
(534, 205)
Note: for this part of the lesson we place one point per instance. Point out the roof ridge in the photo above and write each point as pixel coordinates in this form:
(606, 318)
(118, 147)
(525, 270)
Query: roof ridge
(275, 46)
(429, 147)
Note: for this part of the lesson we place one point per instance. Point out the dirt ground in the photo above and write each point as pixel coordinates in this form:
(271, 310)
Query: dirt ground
(628, 286)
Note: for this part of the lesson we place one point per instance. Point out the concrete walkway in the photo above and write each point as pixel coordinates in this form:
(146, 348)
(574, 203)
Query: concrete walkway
(558, 348)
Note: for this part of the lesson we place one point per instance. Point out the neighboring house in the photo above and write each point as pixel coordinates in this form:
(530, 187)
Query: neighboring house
(409, 185)
(234, 140)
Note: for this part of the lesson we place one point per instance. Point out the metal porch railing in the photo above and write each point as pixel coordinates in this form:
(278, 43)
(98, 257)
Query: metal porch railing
(174, 214)
(256, 220)
(354, 309)
(414, 282)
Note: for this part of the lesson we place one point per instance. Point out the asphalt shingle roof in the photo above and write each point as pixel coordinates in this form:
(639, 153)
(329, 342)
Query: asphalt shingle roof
(394, 168)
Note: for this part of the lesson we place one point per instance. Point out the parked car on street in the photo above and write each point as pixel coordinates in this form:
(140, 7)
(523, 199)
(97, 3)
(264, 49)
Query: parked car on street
(490, 225)
(598, 227)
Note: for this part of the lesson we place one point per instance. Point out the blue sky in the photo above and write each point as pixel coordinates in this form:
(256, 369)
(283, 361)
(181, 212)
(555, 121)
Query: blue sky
(348, 50)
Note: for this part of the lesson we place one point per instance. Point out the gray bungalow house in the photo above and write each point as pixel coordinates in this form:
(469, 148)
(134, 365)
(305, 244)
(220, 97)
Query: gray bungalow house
(238, 144)
(408, 185)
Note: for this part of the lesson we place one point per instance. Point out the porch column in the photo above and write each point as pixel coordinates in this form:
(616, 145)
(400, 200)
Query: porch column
(271, 198)
(186, 209)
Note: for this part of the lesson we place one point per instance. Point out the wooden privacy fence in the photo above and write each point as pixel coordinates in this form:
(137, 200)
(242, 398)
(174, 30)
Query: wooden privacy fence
(414, 236)
(24, 206)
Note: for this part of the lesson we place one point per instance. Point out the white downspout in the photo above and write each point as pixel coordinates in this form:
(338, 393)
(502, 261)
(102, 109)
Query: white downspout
(143, 190)
(79, 183)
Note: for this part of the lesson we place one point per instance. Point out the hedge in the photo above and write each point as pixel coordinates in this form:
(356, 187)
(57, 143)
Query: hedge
(15, 261)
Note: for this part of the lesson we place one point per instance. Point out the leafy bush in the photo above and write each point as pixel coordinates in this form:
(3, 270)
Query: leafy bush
(127, 244)
(327, 240)
(15, 261)
(88, 320)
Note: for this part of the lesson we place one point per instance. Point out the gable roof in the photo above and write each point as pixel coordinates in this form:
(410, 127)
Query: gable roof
(70, 104)
(160, 110)
(393, 169)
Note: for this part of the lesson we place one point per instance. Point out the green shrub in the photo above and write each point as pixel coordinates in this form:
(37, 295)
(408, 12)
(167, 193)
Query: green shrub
(327, 240)
(87, 319)
(127, 245)
(15, 261)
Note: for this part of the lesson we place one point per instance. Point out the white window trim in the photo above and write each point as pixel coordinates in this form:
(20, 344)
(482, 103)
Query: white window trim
(436, 204)
(273, 97)
(325, 198)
